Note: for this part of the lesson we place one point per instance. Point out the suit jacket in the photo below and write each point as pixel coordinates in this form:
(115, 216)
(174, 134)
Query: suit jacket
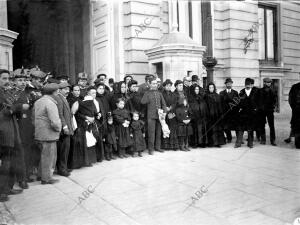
(154, 101)
(9, 129)
(64, 112)
(46, 119)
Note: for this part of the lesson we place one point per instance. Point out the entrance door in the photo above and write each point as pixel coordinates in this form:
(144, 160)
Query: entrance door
(159, 70)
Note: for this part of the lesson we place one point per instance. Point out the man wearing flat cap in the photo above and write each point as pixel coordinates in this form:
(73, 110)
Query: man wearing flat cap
(47, 130)
(230, 99)
(267, 104)
(247, 113)
(65, 115)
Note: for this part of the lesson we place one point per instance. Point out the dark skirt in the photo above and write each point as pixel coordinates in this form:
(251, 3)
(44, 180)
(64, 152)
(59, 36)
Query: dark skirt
(171, 143)
(92, 154)
(123, 134)
(139, 143)
(77, 149)
(199, 136)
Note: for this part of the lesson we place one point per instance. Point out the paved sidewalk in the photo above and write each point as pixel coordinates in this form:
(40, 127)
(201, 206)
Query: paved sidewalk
(223, 186)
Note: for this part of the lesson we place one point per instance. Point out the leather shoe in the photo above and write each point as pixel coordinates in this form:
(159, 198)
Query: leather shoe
(273, 143)
(237, 145)
(3, 197)
(23, 185)
(51, 181)
(63, 173)
(159, 150)
(150, 152)
(15, 191)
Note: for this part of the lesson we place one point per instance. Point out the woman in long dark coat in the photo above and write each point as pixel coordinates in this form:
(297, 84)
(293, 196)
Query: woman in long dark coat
(85, 117)
(199, 117)
(170, 143)
(73, 99)
(215, 114)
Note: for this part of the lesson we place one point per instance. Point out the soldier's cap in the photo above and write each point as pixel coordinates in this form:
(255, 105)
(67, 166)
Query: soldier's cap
(82, 76)
(48, 88)
(36, 72)
(62, 77)
(21, 73)
(64, 85)
(228, 80)
(267, 80)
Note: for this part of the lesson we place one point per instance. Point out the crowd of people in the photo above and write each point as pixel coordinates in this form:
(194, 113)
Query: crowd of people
(48, 125)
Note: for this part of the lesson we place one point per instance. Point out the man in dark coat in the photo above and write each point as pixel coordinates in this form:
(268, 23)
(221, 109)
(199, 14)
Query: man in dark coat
(294, 101)
(229, 98)
(10, 141)
(247, 108)
(267, 105)
(65, 115)
(154, 100)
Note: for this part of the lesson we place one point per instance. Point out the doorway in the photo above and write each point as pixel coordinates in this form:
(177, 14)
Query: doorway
(51, 35)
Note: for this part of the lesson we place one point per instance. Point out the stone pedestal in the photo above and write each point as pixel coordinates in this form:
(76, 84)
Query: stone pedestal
(6, 39)
(179, 55)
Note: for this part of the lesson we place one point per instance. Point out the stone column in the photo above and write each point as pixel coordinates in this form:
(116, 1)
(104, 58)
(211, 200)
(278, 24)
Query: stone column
(6, 39)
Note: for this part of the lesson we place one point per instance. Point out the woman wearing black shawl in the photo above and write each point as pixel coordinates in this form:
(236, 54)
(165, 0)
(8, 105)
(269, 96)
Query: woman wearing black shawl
(215, 114)
(170, 143)
(199, 116)
(120, 92)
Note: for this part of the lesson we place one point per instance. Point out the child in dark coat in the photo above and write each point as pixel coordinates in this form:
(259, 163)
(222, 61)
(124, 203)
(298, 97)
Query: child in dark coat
(184, 129)
(138, 131)
(110, 139)
(122, 118)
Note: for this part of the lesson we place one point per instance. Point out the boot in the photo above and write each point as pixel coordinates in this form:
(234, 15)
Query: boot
(250, 139)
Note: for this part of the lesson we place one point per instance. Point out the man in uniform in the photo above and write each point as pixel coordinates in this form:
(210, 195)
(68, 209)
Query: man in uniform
(10, 141)
(230, 100)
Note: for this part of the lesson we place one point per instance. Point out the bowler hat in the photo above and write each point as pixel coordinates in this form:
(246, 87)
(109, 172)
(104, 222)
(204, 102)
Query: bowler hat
(248, 81)
(228, 80)
(195, 78)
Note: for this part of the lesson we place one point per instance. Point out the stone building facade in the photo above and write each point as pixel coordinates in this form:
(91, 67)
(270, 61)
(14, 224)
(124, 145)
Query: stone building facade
(168, 37)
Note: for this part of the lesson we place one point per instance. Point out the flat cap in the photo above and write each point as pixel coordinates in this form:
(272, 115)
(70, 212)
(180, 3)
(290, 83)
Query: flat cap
(267, 80)
(64, 85)
(50, 87)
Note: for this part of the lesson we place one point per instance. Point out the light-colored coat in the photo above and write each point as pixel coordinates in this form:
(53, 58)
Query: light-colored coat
(46, 119)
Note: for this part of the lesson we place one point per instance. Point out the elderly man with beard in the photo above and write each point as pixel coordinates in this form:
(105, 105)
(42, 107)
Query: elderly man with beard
(10, 141)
